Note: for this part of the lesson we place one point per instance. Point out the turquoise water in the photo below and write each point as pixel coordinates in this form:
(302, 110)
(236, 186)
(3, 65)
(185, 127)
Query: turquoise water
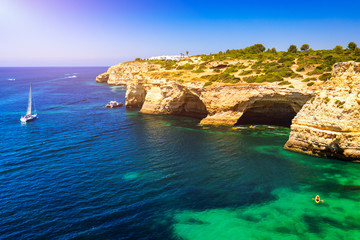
(82, 171)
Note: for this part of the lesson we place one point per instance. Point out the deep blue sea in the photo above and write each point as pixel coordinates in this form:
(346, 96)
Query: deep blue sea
(82, 171)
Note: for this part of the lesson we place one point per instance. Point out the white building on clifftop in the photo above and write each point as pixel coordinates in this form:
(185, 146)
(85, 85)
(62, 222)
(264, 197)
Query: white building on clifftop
(173, 58)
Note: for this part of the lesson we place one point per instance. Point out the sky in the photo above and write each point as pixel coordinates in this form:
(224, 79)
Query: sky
(107, 32)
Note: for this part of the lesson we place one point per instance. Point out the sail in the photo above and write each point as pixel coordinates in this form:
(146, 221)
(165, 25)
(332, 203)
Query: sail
(29, 103)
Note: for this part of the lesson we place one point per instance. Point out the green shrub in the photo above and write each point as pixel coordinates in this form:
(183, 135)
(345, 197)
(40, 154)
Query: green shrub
(178, 74)
(291, 86)
(292, 49)
(352, 46)
(198, 71)
(250, 79)
(305, 47)
(316, 71)
(246, 72)
(300, 69)
(287, 59)
(231, 69)
(284, 83)
(357, 51)
(339, 104)
(325, 76)
(326, 100)
(186, 66)
(207, 84)
(310, 84)
(338, 49)
(308, 79)
(222, 77)
(271, 77)
(202, 66)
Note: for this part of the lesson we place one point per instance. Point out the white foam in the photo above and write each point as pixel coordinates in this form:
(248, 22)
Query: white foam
(73, 76)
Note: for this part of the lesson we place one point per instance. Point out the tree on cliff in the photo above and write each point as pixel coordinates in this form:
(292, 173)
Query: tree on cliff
(292, 49)
(338, 49)
(305, 47)
(257, 48)
(260, 47)
(352, 46)
(357, 51)
(187, 53)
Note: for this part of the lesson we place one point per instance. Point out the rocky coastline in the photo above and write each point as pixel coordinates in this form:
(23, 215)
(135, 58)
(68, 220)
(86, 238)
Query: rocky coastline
(323, 122)
(329, 124)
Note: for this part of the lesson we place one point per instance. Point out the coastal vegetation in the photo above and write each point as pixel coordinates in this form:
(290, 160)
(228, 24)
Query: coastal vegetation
(258, 64)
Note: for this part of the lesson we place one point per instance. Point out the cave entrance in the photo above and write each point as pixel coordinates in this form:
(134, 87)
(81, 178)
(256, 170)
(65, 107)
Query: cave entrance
(268, 113)
(193, 107)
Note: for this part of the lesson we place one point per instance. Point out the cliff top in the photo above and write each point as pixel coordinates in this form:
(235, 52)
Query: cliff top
(293, 69)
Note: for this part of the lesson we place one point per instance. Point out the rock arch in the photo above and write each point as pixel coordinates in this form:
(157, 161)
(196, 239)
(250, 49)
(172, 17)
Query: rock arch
(279, 113)
(193, 106)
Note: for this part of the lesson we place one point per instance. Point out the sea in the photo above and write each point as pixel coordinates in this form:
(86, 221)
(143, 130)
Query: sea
(83, 171)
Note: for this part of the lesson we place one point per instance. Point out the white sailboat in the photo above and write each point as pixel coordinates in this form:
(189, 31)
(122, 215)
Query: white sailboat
(29, 116)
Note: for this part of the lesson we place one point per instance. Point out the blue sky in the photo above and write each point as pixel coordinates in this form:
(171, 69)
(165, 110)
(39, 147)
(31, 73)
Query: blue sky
(106, 32)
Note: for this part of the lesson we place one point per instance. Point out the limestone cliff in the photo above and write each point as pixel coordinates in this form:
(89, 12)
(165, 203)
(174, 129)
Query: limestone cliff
(325, 122)
(252, 104)
(218, 105)
(102, 78)
(124, 72)
(154, 92)
(329, 124)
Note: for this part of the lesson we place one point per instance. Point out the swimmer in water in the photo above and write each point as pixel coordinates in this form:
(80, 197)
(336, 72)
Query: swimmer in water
(317, 199)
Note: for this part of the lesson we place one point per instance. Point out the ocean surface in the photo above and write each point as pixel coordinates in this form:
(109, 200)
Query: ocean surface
(82, 171)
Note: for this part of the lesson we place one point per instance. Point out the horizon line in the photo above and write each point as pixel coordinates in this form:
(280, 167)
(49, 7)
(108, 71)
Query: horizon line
(48, 66)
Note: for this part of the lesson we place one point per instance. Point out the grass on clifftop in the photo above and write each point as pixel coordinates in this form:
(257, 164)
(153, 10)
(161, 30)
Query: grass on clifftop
(255, 64)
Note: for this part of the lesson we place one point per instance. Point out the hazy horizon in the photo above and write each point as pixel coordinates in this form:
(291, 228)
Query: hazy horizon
(104, 33)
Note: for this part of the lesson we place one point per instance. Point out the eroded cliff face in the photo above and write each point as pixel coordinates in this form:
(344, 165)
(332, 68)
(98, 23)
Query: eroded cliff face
(252, 104)
(102, 78)
(325, 123)
(219, 105)
(123, 73)
(328, 125)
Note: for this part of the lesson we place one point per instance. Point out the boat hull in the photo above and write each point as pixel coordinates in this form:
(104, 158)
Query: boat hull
(28, 118)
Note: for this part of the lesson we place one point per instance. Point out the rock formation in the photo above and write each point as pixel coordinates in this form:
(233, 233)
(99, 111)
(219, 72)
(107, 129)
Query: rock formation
(225, 104)
(252, 104)
(219, 105)
(323, 124)
(329, 124)
(124, 72)
(102, 78)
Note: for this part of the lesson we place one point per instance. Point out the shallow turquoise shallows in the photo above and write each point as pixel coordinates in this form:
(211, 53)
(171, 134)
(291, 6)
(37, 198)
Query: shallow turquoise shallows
(83, 171)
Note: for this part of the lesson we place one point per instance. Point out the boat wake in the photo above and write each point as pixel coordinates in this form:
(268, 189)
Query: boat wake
(70, 75)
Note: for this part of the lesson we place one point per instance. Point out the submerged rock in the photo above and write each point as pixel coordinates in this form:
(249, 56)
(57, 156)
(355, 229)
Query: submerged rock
(114, 104)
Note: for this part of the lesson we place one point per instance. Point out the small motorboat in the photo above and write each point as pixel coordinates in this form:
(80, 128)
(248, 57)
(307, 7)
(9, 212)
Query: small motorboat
(114, 104)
